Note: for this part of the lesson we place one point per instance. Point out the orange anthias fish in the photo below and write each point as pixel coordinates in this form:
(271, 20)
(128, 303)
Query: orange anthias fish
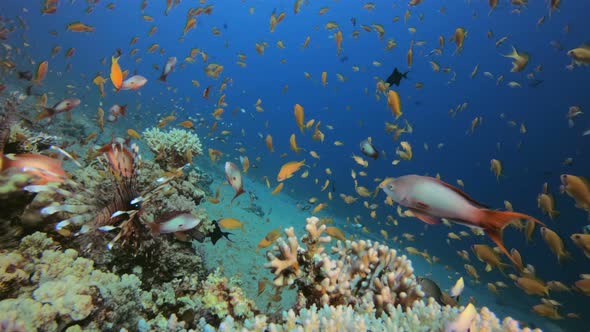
(431, 199)
(116, 73)
(41, 72)
(79, 27)
(288, 169)
(394, 103)
(578, 188)
(299, 116)
(234, 177)
(99, 81)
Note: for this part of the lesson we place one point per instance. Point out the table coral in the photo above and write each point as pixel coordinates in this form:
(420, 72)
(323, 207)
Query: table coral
(173, 148)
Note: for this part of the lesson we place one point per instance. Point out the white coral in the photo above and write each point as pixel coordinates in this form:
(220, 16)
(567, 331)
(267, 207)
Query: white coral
(175, 147)
(285, 266)
(178, 140)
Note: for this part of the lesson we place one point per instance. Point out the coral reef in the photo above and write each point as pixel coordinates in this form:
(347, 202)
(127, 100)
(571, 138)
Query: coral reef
(173, 148)
(223, 297)
(420, 317)
(50, 290)
(366, 275)
(46, 288)
(23, 139)
(7, 120)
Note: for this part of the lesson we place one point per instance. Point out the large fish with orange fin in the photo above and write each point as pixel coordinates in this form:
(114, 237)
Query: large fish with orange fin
(431, 199)
(234, 177)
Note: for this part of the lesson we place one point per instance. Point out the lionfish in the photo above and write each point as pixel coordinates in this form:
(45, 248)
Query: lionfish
(121, 211)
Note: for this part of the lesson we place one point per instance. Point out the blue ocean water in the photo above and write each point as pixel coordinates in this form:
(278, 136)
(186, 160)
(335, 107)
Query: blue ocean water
(529, 159)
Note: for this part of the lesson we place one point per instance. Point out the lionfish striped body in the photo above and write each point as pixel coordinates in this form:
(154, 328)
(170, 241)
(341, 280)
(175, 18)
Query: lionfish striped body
(119, 209)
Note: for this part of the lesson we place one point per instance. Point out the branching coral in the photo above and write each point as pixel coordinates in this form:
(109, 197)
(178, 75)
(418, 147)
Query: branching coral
(173, 148)
(366, 275)
(420, 317)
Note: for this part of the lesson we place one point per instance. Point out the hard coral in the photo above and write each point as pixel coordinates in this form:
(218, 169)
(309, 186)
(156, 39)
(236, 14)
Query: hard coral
(173, 148)
(421, 316)
(223, 297)
(60, 289)
(366, 275)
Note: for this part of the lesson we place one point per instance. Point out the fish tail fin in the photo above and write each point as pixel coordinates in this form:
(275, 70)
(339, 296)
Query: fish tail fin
(496, 236)
(238, 193)
(513, 54)
(565, 256)
(226, 235)
(46, 113)
(494, 222)
(405, 75)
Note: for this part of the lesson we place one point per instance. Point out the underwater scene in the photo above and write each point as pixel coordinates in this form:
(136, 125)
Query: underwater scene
(294, 165)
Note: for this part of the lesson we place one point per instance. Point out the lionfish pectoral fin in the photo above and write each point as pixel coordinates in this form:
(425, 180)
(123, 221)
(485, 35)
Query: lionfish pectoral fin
(83, 230)
(107, 228)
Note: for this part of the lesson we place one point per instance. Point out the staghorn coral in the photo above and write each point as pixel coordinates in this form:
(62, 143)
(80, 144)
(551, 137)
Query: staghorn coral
(173, 148)
(366, 275)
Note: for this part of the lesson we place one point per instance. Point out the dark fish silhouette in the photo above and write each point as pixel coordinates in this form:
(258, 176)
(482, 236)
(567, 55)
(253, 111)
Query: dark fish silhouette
(25, 75)
(217, 234)
(396, 77)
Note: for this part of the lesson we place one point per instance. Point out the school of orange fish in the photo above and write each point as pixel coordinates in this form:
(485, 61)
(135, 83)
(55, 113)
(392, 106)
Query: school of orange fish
(426, 198)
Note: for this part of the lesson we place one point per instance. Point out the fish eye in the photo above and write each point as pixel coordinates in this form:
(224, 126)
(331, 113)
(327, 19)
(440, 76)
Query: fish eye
(135, 204)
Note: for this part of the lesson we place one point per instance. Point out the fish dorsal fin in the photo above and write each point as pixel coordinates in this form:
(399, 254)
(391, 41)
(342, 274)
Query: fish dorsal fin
(461, 193)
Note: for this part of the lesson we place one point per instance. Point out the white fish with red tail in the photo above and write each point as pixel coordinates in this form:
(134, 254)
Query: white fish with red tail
(168, 68)
(65, 105)
(179, 223)
(234, 177)
(134, 83)
(431, 200)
